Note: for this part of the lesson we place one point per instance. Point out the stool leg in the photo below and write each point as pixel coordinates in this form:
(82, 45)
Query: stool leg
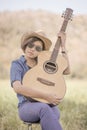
(30, 127)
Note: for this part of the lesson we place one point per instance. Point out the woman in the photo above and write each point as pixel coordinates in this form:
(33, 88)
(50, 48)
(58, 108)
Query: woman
(29, 110)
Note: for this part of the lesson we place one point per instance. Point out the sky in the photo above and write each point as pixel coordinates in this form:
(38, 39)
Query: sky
(79, 6)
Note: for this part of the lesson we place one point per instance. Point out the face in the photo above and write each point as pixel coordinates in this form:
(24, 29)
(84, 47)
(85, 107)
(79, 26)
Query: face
(33, 49)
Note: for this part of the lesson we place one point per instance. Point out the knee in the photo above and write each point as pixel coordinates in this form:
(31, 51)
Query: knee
(45, 109)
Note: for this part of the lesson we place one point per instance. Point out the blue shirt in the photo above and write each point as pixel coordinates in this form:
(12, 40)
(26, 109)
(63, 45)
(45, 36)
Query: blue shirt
(18, 69)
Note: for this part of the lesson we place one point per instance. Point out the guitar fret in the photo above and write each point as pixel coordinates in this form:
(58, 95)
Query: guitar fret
(63, 28)
(55, 51)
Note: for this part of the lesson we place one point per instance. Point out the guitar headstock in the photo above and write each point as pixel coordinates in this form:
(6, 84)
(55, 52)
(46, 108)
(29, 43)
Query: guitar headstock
(67, 15)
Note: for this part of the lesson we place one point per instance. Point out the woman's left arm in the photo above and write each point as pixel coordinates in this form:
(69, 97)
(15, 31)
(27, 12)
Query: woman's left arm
(62, 35)
(67, 70)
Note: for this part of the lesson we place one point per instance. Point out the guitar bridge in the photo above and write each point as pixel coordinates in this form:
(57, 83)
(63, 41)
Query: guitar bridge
(46, 82)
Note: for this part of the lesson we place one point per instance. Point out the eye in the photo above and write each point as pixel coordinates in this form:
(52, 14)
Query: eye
(30, 45)
(38, 48)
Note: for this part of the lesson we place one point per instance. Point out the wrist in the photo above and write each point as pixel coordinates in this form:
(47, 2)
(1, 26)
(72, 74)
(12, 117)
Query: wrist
(63, 48)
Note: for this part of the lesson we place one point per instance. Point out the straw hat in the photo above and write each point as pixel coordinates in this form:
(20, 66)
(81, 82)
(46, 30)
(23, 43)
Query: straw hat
(39, 34)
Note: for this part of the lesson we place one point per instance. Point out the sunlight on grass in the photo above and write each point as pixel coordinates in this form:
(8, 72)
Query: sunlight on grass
(77, 91)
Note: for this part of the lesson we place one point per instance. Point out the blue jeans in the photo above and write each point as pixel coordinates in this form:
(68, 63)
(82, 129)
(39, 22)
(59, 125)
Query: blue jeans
(48, 116)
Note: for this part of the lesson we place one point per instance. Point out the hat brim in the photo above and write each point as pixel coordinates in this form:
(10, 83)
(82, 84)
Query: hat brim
(46, 41)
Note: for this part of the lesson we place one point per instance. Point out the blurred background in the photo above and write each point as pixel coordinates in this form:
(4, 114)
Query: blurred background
(18, 17)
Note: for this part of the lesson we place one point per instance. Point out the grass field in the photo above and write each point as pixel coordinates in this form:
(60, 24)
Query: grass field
(73, 108)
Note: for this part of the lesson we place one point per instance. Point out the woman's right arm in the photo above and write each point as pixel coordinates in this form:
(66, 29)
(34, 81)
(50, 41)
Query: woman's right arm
(25, 91)
(33, 93)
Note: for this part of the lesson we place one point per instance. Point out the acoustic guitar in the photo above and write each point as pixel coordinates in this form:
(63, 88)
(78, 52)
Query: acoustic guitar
(47, 75)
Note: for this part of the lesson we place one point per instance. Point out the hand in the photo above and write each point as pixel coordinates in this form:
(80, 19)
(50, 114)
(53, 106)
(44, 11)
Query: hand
(53, 99)
(62, 35)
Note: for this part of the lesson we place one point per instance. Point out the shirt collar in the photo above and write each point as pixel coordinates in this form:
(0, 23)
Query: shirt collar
(22, 58)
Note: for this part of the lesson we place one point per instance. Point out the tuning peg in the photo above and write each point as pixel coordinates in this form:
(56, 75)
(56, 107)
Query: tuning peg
(63, 14)
(67, 14)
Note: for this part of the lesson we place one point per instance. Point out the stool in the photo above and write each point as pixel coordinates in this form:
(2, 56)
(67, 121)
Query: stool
(29, 125)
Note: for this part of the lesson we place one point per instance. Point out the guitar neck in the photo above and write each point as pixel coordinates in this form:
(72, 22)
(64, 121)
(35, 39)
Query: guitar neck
(64, 25)
(58, 42)
(67, 16)
(55, 50)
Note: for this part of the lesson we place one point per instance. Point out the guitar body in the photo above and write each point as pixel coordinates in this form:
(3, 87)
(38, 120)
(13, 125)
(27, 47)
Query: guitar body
(48, 82)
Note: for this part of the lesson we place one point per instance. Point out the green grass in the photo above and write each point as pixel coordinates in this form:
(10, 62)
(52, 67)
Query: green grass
(73, 108)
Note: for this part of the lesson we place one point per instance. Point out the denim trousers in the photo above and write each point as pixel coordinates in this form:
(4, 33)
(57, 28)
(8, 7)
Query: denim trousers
(47, 115)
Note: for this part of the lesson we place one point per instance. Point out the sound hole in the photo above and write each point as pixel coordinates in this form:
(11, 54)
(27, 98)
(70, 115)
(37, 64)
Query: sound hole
(50, 67)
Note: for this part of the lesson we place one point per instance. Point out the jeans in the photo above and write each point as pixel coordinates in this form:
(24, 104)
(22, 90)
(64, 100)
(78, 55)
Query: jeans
(47, 115)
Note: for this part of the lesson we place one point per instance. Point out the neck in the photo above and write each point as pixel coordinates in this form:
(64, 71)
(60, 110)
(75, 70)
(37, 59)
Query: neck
(31, 62)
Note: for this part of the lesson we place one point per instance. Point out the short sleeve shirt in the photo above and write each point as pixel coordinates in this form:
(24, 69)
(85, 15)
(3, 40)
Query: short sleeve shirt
(17, 71)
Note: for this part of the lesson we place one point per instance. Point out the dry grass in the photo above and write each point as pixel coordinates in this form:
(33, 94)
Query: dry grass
(73, 108)
(74, 114)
